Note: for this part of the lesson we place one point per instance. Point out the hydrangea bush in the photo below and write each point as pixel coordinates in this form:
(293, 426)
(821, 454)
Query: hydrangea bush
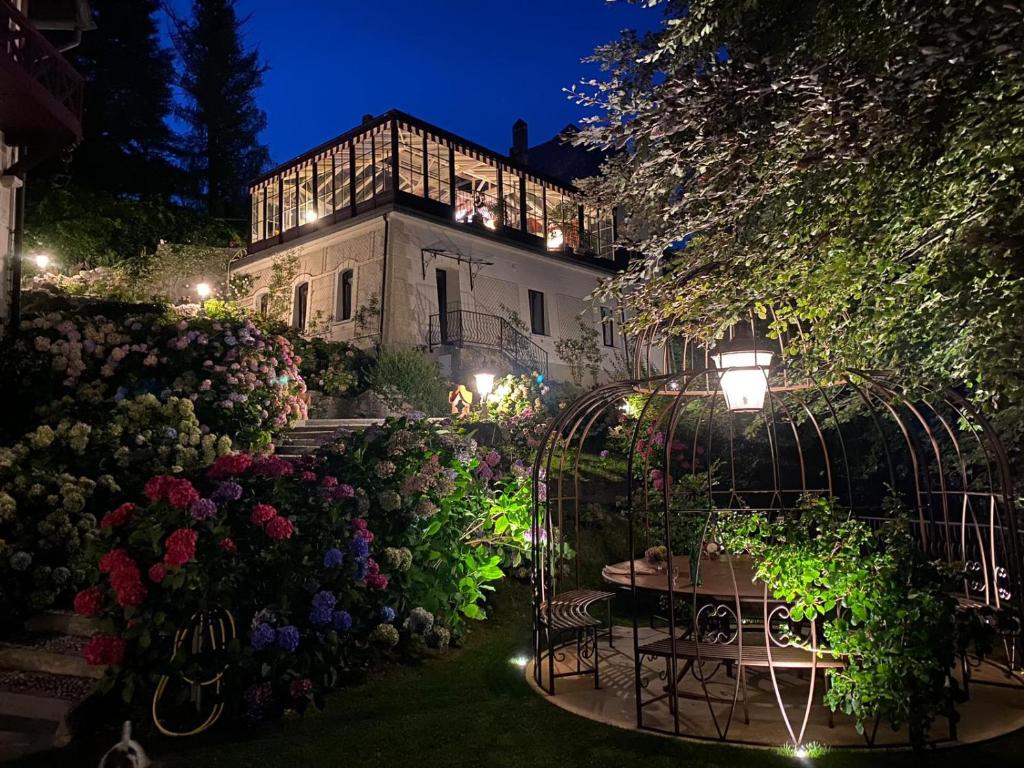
(55, 479)
(282, 547)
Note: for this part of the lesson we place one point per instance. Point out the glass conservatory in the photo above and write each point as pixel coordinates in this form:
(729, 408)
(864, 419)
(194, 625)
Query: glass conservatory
(398, 159)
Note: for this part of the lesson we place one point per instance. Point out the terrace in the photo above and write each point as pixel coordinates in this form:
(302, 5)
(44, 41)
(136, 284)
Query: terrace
(439, 174)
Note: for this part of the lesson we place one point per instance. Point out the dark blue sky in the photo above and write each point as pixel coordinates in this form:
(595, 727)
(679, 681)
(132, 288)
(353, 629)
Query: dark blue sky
(469, 67)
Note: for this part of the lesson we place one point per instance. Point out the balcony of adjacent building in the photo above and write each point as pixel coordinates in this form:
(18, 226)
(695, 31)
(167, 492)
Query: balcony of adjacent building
(398, 160)
(40, 92)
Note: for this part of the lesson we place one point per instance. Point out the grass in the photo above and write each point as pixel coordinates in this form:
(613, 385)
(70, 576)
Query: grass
(472, 707)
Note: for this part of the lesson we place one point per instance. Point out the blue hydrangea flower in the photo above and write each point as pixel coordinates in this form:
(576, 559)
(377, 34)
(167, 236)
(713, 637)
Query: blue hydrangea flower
(324, 599)
(333, 558)
(361, 569)
(288, 638)
(359, 547)
(262, 636)
(227, 490)
(387, 614)
(342, 621)
(321, 615)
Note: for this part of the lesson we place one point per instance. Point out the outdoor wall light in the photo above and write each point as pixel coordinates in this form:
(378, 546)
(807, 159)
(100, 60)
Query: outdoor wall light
(311, 216)
(555, 239)
(203, 290)
(42, 260)
(743, 373)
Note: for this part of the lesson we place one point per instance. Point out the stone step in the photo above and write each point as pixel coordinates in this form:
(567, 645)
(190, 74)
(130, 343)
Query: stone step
(339, 423)
(64, 622)
(53, 653)
(34, 708)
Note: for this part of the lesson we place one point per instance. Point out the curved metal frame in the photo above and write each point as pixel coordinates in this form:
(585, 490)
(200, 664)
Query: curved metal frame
(962, 511)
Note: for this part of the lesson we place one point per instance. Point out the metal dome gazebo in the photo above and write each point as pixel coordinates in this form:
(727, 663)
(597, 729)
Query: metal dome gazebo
(731, 429)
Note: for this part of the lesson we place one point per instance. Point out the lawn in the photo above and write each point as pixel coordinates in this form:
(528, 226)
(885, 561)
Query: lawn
(472, 707)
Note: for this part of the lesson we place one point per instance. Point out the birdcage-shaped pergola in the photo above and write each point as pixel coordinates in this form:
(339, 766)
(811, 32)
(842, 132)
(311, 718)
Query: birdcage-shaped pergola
(730, 430)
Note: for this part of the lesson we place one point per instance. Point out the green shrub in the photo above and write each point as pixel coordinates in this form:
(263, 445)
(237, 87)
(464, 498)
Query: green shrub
(407, 377)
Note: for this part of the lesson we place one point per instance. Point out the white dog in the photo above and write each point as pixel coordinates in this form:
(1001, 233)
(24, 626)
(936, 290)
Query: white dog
(127, 753)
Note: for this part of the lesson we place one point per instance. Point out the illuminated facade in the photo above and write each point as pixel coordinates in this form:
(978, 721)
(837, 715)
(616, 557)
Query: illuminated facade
(437, 232)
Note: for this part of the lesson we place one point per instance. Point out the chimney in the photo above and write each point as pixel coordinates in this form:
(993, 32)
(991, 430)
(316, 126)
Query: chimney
(367, 119)
(519, 142)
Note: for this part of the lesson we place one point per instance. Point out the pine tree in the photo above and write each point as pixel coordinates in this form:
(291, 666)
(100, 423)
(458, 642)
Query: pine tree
(127, 100)
(221, 149)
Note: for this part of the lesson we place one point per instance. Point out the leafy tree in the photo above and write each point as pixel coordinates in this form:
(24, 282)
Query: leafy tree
(853, 164)
(128, 76)
(219, 78)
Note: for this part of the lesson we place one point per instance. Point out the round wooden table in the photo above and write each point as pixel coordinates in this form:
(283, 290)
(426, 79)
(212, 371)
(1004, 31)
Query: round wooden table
(717, 579)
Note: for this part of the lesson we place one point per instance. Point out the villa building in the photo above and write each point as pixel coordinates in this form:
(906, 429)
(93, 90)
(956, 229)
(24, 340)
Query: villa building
(40, 112)
(400, 233)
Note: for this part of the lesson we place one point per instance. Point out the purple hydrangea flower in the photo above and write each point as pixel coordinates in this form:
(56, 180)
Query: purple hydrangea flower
(361, 569)
(324, 599)
(342, 621)
(387, 614)
(321, 616)
(288, 638)
(333, 558)
(359, 547)
(203, 509)
(262, 636)
(227, 490)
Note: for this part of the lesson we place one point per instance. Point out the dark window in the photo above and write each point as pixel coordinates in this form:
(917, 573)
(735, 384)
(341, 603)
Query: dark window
(345, 295)
(607, 327)
(299, 311)
(537, 324)
(265, 305)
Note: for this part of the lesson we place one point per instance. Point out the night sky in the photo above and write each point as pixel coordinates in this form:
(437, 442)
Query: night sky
(469, 67)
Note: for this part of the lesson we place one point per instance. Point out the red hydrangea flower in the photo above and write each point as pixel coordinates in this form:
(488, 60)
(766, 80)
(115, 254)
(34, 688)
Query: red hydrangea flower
(228, 545)
(156, 487)
(272, 466)
(280, 528)
(180, 547)
(119, 516)
(230, 465)
(115, 560)
(308, 477)
(262, 514)
(89, 602)
(300, 687)
(329, 481)
(377, 581)
(157, 572)
(104, 650)
(181, 494)
(131, 594)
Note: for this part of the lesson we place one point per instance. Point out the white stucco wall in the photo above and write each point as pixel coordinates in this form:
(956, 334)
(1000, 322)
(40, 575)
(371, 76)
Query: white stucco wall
(502, 276)
(7, 193)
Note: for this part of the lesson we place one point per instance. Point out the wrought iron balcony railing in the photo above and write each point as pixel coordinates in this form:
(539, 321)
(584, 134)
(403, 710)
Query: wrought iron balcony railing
(460, 328)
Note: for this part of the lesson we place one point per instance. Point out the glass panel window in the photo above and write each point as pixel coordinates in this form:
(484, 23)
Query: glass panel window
(289, 212)
(256, 220)
(537, 320)
(382, 160)
(300, 306)
(512, 195)
(342, 182)
(438, 172)
(273, 208)
(607, 327)
(598, 232)
(476, 191)
(410, 161)
(324, 186)
(307, 207)
(344, 309)
(563, 220)
(364, 168)
(534, 208)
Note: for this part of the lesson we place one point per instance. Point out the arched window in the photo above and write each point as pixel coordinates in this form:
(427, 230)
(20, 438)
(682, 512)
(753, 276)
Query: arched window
(344, 308)
(300, 307)
(264, 305)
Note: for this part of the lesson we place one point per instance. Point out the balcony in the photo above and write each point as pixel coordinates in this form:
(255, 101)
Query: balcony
(40, 92)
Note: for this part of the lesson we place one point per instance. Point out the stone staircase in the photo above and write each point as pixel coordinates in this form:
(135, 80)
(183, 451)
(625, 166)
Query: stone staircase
(306, 436)
(43, 677)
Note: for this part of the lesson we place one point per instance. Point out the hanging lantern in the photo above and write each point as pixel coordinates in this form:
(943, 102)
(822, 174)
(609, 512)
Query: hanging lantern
(743, 367)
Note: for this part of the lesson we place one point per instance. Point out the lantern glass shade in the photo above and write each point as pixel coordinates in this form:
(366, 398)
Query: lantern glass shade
(484, 383)
(203, 290)
(743, 375)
